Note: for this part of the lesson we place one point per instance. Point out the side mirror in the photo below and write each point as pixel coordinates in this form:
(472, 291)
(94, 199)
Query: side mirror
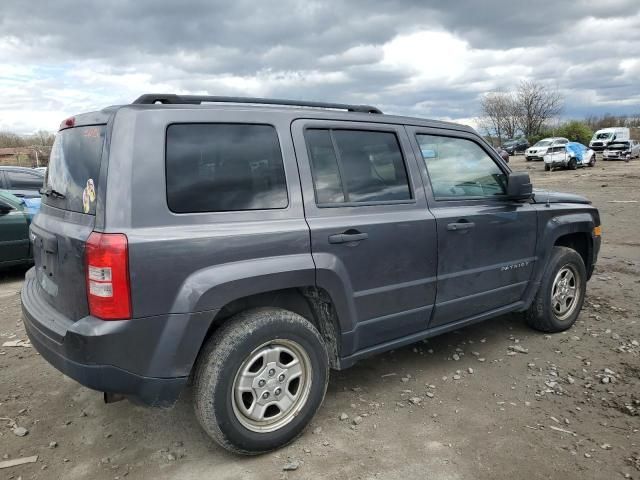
(519, 186)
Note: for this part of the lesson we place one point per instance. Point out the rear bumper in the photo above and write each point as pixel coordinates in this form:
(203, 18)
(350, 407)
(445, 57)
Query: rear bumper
(148, 360)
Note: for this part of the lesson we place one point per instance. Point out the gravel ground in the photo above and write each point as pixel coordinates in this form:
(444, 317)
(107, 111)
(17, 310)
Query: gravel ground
(466, 405)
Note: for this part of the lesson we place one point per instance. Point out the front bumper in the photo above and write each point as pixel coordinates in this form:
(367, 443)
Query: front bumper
(597, 241)
(533, 157)
(147, 360)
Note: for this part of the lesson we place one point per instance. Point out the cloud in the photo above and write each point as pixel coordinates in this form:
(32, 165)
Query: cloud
(426, 58)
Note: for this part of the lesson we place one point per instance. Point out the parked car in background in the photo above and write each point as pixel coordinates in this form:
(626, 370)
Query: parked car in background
(604, 137)
(539, 150)
(622, 150)
(503, 153)
(571, 156)
(16, 215)
(515, 145)
(21, 181)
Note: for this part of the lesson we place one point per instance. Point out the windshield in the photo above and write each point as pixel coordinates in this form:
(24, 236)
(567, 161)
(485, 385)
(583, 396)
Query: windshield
(74, 167)
(543, 143)
(603, 136)
(619, 146)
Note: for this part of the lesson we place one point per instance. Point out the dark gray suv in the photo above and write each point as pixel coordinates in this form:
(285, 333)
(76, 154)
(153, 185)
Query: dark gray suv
(249, 245)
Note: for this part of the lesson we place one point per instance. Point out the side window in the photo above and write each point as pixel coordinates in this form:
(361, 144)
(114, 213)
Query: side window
(224, 167)
(562, 142)
(357, 166)
(24, 180)
(460, 168)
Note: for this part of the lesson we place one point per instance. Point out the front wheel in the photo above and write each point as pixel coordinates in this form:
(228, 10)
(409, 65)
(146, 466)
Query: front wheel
(561, 295)
(260, 380)
(547, 167)
(592, 162)
(573, 165)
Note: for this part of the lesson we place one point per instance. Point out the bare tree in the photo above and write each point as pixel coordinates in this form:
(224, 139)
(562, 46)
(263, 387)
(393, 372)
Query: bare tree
(510, 116)
(536, 104)
(499, 114)
(492, 111)
(42, 137)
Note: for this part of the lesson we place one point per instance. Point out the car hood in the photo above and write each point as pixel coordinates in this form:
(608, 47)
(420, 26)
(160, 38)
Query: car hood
(545, 196)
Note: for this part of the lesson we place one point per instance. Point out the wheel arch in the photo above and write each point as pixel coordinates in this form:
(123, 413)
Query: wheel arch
(313, 303)
(568, 229)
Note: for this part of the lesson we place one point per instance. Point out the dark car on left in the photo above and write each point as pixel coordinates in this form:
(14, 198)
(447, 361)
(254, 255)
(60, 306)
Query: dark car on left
(21, 181)
(16, 215)
(513, 146)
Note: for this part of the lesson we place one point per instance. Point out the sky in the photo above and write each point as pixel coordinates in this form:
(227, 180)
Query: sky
(420, 58)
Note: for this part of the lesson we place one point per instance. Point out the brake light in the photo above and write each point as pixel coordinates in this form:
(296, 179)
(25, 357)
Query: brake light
(67, 123)
(108, 290)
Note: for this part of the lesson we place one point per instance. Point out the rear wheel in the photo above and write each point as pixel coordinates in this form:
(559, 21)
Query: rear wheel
(561, 295)
(592, 162)
(260, 380)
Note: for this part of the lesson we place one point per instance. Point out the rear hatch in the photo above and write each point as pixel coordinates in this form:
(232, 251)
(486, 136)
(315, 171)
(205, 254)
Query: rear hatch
(67, 217)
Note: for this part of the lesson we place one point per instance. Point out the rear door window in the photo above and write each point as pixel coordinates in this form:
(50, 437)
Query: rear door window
(74, 168)
(357, 166)
(224, 167)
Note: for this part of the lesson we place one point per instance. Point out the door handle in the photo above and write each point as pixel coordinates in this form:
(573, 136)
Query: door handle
(348, 237)
(460, 226)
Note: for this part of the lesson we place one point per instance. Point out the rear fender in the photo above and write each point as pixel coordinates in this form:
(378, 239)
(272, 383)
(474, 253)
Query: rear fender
(213, 287)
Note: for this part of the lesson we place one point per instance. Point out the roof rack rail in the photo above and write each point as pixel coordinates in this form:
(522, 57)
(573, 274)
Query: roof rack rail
(172, 99)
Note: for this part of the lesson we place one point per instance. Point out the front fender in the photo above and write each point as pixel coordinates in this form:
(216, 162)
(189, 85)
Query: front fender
(556, 225)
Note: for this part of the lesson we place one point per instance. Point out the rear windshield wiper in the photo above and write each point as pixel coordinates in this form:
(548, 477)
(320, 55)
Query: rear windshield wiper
(51, 192)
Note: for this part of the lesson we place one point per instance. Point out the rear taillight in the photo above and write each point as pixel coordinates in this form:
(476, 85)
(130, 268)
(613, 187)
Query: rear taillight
(107, 261)
(67, 123)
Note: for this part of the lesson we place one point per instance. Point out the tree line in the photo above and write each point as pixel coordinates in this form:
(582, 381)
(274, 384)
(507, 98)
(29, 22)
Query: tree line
(41, 138)
(530, 110)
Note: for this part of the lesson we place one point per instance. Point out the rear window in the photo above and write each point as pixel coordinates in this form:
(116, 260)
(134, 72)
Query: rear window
(24, 180)
(224, 167)
(74, 167)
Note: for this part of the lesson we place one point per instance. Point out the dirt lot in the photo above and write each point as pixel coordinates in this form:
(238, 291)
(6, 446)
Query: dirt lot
(485, 413)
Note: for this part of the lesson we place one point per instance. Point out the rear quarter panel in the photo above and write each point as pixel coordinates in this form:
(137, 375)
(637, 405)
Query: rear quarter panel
(199, 261)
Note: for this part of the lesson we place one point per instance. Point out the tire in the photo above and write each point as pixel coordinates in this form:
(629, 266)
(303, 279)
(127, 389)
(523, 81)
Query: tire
(573, 165)
(544, 314)
(592, 163)
(255, 342)
(547, 167)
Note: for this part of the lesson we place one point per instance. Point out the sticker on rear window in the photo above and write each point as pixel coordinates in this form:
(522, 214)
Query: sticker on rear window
(88, 195)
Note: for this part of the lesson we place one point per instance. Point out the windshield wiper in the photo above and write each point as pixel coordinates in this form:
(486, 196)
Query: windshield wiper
(51, 192)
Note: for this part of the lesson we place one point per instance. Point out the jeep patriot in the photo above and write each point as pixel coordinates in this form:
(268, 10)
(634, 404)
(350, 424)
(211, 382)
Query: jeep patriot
(246, 246)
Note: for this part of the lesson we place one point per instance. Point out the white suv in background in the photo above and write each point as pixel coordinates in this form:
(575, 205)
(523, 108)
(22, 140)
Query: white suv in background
(539, 150)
